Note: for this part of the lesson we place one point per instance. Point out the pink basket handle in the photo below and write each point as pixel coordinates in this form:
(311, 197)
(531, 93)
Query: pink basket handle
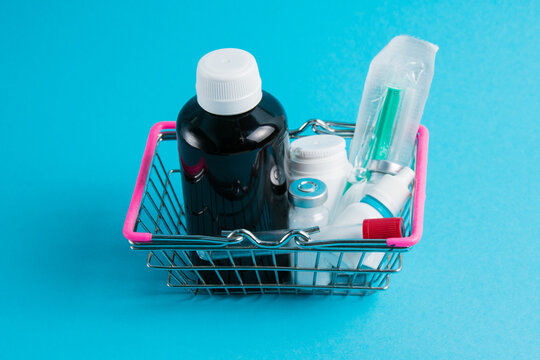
(419, 193)
(136, 199)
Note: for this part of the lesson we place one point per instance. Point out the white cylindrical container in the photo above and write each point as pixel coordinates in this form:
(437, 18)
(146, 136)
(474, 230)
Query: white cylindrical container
(308, 197)
(322, 157)
(354, 194)
(384, 199)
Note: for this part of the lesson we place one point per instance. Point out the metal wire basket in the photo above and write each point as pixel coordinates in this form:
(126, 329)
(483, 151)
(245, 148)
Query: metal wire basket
(246, 263)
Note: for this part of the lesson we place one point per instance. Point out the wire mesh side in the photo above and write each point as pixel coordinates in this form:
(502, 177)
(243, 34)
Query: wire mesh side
(161, 211)
(283, 271)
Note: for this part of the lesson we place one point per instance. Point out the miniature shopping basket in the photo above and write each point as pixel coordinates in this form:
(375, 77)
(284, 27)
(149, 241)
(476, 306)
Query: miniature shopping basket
(241, 262)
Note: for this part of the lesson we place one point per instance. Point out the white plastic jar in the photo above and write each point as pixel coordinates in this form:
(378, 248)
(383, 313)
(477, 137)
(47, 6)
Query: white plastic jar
(321, 157)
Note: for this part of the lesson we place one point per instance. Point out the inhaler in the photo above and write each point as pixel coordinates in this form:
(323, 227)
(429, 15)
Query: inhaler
(395, 92)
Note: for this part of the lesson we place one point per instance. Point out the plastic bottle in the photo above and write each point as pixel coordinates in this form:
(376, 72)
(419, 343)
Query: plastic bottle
(380, 228)
(395, 92)
(308, 198)
(322, 157)
(384, 199)
(232, 141)
(356, 192)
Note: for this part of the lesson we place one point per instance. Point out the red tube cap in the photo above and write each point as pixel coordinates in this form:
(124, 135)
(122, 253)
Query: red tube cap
(382, 228)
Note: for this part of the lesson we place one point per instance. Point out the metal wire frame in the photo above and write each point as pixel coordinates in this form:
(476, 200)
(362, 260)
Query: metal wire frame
(358, 281)
(232, 264)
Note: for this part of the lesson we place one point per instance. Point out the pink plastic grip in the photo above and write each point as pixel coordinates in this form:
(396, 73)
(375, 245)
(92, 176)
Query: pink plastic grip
(151, 143)
(419, 193)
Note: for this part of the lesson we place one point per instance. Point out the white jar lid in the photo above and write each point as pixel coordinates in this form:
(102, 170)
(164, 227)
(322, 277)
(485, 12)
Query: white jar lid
(318, 153)
(317, 146)
(228, 82)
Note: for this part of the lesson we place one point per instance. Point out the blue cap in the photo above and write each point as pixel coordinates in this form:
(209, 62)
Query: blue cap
(308, 193)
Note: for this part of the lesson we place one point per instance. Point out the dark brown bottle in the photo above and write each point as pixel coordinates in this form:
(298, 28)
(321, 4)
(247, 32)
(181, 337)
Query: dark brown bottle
(233, 168)
(232, 141)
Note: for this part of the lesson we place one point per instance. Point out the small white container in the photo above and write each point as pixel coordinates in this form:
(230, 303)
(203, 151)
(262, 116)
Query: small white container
(321, 157)
(308, 197)
(384, 199)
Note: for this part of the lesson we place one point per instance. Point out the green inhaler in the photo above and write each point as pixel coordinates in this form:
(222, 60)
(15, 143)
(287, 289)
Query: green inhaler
(384, 127)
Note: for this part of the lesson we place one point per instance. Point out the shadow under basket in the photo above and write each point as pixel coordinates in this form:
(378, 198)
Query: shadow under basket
(242, 263)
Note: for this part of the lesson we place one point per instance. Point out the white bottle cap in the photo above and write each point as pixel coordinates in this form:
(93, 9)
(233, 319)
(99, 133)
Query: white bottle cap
(228, 82)
(392, 190)
(317, 153)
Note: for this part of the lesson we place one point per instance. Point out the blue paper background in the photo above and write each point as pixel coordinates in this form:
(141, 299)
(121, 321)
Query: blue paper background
(82, 82)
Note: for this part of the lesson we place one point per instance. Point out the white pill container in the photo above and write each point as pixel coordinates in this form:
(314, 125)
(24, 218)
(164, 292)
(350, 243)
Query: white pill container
(321, 157)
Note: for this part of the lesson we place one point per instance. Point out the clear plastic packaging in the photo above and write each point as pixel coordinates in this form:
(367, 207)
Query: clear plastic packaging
(395, 92)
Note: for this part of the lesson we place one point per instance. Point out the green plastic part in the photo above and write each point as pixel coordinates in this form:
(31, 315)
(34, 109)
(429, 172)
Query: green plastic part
(385, 124)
